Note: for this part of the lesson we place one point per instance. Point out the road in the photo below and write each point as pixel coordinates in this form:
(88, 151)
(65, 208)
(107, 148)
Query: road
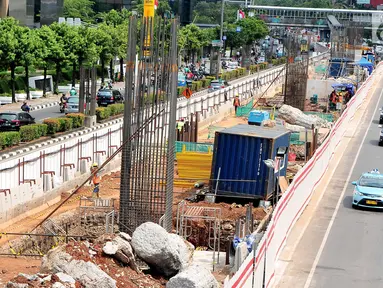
(342, 247)
(50, 112)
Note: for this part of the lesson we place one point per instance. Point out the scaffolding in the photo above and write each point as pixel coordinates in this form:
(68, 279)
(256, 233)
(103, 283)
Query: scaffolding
(296, 71)
(186, 215)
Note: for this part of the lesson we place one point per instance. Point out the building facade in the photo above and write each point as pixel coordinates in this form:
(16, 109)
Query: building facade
(32, 13)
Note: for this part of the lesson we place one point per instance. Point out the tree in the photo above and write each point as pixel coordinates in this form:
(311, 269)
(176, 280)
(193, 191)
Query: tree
(191, 38)
(233, 38)
(29, 50)
(252, 29)
(48, 51)
(61, 32)
(81, 47)
(122, 45)
(10, 34)
(79, 9)
(210, 12)
(104, 44)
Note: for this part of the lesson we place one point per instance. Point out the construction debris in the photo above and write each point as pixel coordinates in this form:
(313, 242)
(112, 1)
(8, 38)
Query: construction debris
(167, 253)
(87, 273)
(295, 128)
(295, 116)
(195, 276)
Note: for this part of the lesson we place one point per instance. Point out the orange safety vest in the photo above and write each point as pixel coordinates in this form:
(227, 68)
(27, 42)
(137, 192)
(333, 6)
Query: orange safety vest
(236, 102)
(96, 179)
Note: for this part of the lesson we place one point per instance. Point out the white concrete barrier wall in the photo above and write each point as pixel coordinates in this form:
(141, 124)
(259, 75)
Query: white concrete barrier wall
(295, 199)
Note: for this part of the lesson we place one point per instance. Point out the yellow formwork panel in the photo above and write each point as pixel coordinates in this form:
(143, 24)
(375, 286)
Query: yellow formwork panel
(194, 165)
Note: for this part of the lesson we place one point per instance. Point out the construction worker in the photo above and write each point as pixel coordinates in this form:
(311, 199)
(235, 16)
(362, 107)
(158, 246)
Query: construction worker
(236, 102)
(180, 124)
(96, 181)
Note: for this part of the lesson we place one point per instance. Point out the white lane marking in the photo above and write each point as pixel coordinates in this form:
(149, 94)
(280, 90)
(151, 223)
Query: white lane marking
(320, 251)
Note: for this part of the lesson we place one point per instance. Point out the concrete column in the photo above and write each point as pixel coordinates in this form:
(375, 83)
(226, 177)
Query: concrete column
(47, 182)
(84, 166)
(66, 174)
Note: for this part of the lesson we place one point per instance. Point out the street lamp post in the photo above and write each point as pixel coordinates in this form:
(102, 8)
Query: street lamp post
(220, 38)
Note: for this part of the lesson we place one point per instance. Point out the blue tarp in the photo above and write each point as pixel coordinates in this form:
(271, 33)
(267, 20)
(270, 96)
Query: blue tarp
(342, 85)
(364, 63)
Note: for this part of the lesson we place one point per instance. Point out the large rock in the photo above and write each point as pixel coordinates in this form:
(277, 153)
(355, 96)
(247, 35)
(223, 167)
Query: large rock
(295, 116)
(195, 276)
(168, 253)
(87, 273)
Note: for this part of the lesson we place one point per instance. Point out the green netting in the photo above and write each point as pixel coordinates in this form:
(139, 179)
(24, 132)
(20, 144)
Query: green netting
(326, 116)
(243, 111)
(193, 147)
(294, 139)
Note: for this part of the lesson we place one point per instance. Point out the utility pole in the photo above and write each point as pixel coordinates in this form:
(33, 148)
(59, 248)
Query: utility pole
(220, 38)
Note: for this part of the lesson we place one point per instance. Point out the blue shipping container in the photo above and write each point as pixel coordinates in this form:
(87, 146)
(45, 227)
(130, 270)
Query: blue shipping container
(239, 151)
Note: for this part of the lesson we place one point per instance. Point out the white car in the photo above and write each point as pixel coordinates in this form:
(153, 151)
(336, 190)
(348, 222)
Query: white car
(231, 66)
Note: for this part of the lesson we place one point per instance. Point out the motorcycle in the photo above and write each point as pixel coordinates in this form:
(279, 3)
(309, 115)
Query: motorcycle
(62, 106)
(25, 108)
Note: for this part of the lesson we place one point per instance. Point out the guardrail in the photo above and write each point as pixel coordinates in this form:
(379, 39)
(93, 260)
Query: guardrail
(258, 269)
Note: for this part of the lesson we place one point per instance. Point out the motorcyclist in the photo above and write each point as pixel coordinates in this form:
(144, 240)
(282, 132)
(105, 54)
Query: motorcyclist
(25, 107)
(73, 91)
(63, 100)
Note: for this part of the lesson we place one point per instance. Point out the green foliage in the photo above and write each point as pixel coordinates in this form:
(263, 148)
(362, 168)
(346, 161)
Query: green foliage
(53, 125)
(8, 139)
(192, 38)
(252, 29)
(210, 12)
(77, 119)
(79, 9)
(65, 124)
(102, 113)
(19, 70)
(31, 132)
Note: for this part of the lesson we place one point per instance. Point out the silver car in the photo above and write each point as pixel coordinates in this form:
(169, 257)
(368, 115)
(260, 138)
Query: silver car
(71, 105)
(216, 85)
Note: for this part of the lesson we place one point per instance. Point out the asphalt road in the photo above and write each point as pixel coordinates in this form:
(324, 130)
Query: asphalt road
(343, 247)
(353, 253)
(50, 112)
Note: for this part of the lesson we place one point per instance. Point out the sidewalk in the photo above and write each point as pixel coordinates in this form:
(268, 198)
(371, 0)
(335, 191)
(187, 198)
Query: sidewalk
(41, 103)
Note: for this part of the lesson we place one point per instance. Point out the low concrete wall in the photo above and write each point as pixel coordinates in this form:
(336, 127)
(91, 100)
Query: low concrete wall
(40, 200)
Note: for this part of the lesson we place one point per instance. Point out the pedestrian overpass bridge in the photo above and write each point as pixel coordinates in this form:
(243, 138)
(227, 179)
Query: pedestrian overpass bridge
(315, 17)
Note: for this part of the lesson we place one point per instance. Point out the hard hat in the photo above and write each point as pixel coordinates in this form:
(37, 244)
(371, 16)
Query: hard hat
(95, 165)
(237, 95)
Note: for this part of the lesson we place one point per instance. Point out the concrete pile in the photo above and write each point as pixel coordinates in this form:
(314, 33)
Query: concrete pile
(112, 261)
(296, 117)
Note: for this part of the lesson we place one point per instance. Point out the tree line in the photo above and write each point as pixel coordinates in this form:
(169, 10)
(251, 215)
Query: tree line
(62, 45)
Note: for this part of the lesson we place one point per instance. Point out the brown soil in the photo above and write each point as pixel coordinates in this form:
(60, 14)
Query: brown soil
(9, 267)
(125, 276)
(225, 123)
